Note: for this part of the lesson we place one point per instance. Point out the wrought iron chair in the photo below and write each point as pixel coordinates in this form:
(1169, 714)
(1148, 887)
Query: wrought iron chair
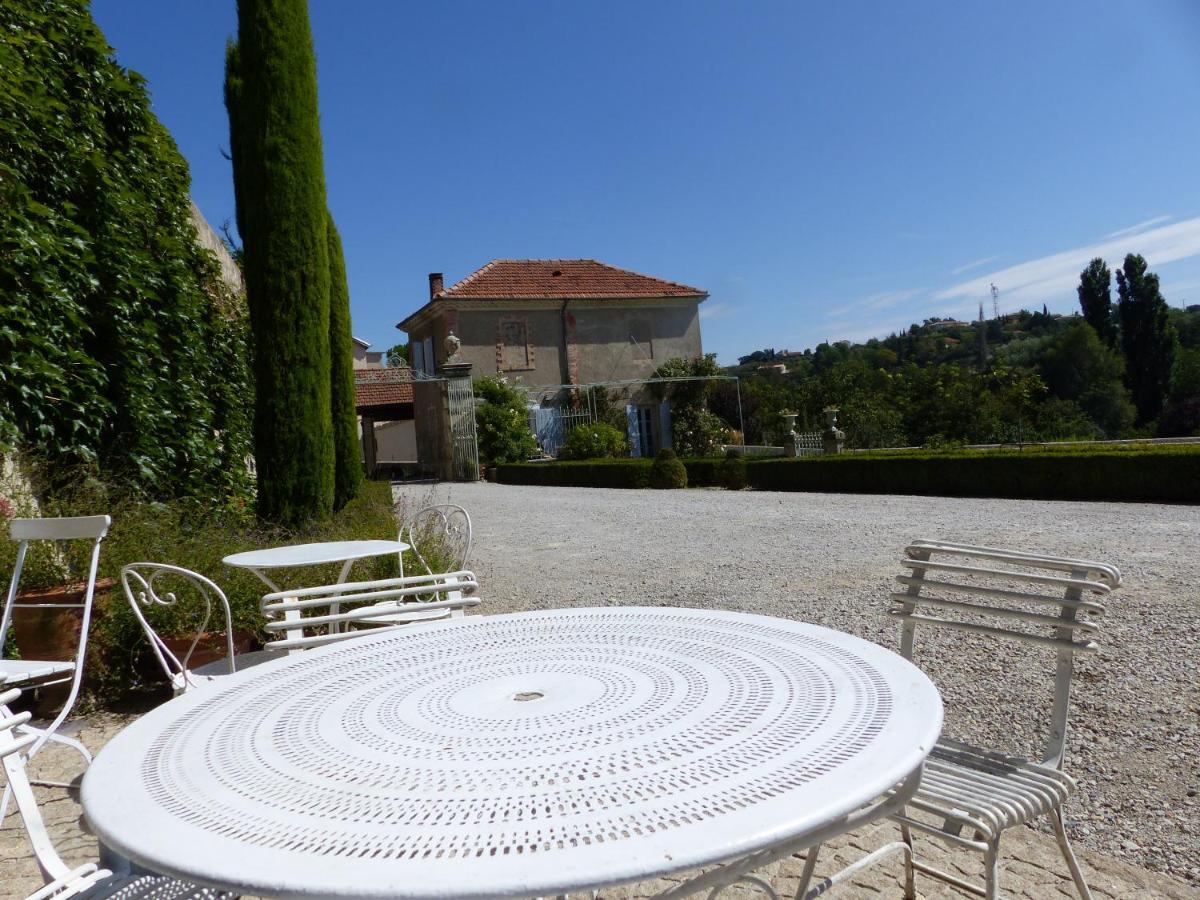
(141, 582)
(61, 881)
(42, 673)
(444, 530)
(311, 617)
(997, 593)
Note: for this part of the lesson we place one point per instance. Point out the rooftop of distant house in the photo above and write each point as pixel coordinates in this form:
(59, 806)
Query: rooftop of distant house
(529, 279)
(375, 389)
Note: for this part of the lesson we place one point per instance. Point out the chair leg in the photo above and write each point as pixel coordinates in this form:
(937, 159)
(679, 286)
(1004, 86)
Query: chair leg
(910, 874)
(1060, 831)
(991, 870)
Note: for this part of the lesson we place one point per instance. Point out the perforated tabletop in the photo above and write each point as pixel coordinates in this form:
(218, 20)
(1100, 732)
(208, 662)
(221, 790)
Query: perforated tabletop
(513, 755)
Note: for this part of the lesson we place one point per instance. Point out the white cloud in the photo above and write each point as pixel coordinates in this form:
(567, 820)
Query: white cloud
(717, 310)
(973, 265)
(1055, 276)
(882, 300)
(1140, 226)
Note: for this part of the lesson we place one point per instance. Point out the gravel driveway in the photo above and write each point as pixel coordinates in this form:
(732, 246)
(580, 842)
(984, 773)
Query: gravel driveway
(829, 558)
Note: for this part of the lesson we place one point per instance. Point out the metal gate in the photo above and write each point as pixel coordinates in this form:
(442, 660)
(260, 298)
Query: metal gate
(461, 403)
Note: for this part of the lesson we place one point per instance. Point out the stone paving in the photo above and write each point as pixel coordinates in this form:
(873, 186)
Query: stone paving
(1031, 867)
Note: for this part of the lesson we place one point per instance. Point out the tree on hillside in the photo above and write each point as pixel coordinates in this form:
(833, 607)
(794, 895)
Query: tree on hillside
(1147, 338)
(1095, 300)
(275, 140)
(1077, 366)
(347, 467)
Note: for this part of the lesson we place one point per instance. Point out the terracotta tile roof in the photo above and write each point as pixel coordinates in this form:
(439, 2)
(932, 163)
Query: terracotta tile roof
(382, 387)
(562, 279)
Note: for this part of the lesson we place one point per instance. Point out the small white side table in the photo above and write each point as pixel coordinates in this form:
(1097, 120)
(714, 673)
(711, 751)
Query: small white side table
(300, 555)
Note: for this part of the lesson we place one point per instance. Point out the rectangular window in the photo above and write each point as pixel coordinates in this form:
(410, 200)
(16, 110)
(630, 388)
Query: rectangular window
(515, 352)
(430, 361)
(641, 339)
(418, 356)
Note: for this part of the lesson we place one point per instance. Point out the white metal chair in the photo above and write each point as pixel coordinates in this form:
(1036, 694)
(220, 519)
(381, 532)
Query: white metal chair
(998, 593)
(61, 881)
(444, 532)
(143, 583)
(41, 673)
(314, 616)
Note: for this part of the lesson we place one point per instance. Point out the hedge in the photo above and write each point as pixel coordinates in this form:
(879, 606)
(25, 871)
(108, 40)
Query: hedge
(1147, 474)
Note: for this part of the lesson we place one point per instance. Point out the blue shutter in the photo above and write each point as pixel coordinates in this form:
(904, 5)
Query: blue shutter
(635, 437)
(664, 424)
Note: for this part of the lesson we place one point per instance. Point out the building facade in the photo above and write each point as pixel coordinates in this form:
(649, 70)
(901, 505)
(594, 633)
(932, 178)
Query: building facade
(557, 322)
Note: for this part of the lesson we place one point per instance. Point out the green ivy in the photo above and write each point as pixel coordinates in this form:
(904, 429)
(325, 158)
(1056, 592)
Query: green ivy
(119, 345)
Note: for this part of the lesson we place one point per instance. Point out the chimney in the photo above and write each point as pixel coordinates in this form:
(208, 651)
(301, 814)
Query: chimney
(435, 284)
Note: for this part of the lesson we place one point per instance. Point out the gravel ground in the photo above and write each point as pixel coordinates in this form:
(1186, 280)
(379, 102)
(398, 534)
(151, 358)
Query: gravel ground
(829, 559)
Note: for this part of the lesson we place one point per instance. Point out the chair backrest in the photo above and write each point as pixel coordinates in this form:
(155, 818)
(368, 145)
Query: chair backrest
(1049, 601)
(69, 528)
(147, 585)
(12, 743)
(440, 537)
(310, 617)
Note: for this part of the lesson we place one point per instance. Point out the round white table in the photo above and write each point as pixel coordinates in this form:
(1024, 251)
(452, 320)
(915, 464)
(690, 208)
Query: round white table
(514, 755)
(299, 555)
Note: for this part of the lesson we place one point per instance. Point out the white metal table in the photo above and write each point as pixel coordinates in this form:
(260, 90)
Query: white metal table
(529, 754)
(299, 555)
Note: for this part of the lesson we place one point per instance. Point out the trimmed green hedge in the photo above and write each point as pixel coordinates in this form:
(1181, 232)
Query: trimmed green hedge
(1146, 474)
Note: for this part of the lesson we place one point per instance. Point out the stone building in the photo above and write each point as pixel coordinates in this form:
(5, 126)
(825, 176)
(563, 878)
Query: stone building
(557, 321)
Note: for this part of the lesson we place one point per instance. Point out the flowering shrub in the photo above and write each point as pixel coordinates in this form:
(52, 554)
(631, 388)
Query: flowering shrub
(696, 431)
(595, 441)
(502, 422)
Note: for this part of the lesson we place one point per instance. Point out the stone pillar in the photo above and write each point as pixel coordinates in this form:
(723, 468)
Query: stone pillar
(832, 440)
(791, 441)
(369, 447)
(431, 424)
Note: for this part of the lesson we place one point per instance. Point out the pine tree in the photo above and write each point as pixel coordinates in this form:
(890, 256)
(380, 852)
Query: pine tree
(1147, 336)
(275, 138)
(347, 468)
(1095, 300)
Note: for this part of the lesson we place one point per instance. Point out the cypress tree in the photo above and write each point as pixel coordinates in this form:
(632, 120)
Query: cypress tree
(1095, 300)
(347, 469)
(1147, 336)
(275, 139)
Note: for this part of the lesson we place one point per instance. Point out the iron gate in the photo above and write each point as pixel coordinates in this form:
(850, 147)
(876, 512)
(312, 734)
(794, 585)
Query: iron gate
(461, 404)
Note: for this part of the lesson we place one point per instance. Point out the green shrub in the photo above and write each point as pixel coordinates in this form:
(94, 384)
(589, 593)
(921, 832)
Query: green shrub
(502, 422)
(595, 441)
(696, 431)
(667, 471)
(1154, 474)
(733, 471)
(601, 473)
(1137, 473)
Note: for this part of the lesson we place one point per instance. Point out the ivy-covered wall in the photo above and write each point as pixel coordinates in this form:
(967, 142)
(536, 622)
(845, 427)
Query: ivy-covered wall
(118, 341)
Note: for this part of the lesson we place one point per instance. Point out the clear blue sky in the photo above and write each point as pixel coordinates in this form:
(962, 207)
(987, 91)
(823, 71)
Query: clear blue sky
(825, 171)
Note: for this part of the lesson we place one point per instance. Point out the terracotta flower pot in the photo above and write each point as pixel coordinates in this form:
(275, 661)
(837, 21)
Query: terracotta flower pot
(211, 647)
(52, 632)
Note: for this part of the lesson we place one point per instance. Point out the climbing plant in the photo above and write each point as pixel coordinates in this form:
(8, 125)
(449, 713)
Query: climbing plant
(119, 345)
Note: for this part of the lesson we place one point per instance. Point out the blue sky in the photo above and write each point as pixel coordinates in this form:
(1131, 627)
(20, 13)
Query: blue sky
(825, 171)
